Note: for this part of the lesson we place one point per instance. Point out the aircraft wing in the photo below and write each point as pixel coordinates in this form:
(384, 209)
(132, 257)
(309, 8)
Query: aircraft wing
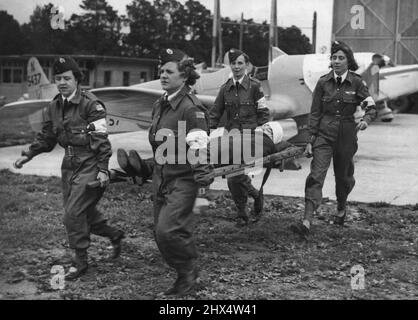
(398, 81)
(130, 108)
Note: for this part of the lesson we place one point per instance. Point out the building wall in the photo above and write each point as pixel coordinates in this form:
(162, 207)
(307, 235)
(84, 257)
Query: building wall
(94, 67)
(390, 27)
(117, 69)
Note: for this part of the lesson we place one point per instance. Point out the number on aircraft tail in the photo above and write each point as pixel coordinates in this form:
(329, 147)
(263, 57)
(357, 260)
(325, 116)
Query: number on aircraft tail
(33, 80)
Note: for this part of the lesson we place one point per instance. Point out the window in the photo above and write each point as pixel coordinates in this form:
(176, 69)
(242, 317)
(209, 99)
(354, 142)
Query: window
(126, 78)
(107, 78)
(17, 75)
(144, 77)
(7, 75)
(12, 72)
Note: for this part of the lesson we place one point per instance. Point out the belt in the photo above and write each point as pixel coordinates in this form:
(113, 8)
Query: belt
(76, 150)
(340, 117)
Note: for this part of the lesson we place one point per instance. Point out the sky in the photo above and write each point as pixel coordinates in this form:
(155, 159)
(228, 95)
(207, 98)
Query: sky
(289, 12)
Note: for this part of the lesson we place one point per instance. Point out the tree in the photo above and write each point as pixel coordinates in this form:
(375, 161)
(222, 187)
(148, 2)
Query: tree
(98, 30)
(11, 36)
(168, 23)
(292, 41)
(42, 38)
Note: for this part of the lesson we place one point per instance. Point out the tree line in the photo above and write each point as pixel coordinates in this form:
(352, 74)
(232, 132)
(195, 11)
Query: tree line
(99, 30)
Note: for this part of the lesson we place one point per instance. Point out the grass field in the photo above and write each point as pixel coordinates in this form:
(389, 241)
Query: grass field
(261, 261)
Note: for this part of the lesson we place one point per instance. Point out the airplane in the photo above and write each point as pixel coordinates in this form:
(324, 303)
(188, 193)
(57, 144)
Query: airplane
(290, 82)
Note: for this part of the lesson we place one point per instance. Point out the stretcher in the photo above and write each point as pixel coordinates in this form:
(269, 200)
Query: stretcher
(277, 159)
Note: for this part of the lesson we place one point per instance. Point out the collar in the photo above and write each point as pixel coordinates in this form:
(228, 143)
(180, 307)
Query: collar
(330, 76)
(244, 82)
(171, 96)
(343, 76)
(177, 96)
(75, 97)
(240, 79)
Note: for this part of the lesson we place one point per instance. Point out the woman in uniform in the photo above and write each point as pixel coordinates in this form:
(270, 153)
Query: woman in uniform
(333, 132)
(177, 117)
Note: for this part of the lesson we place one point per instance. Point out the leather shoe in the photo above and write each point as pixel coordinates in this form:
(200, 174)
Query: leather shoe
(140, 166)
(117, 245)
(300, 229)
(76, 271)
(339, 219)
(241, 221)
(123, 162)
(184, 283)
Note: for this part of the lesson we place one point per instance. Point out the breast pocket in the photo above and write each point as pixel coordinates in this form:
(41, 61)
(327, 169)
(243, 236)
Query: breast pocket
(349, 98)
(78, 136)
(327, 103)
(247, 109)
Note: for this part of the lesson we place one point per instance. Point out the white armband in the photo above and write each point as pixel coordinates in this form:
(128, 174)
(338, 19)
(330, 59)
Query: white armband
(262, 103)
(197, 139)
(100, 126)
(370, 101)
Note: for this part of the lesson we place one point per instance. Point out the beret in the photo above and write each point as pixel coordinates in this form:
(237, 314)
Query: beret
(171, 55)
(63, 64)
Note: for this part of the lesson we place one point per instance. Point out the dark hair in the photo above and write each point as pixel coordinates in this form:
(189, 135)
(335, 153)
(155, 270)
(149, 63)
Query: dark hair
(186, 67)
(78, 75)
(351, 62)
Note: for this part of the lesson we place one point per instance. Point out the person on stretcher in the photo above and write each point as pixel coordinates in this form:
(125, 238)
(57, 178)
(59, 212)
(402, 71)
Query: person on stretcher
(270, 134)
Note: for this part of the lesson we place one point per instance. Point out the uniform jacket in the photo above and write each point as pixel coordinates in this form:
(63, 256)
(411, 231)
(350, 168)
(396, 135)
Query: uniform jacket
(68, 127)
(245, 109)
(332, 105)
(174, 120)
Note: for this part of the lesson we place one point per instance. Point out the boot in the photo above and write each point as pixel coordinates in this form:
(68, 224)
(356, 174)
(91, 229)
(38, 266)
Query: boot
(185, 283)
(258, 205)
(258, 197)
(117, 244)
(242, 217)
(339, 219)
(79, 266)
(303, 228)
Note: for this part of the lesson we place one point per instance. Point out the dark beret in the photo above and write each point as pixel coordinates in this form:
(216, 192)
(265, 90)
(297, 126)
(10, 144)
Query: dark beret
(174, 55)
(63, 64)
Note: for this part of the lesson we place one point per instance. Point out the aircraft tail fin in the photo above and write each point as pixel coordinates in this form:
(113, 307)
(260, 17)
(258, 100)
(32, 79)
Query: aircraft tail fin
(39, 86)
(277, 52)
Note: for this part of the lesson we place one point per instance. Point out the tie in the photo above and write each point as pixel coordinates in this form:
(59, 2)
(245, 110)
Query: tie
(164, 104)
(339, 81)
(237, 86)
